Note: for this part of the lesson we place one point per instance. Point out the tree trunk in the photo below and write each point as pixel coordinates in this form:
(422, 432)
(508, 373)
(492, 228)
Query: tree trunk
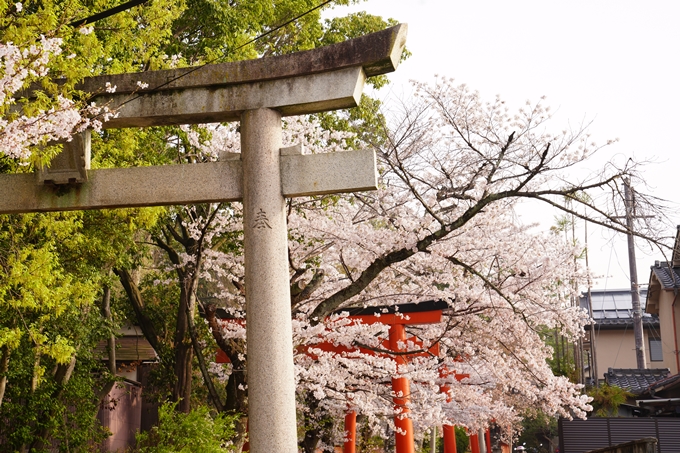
(183, 348)
(183, 357)
(135, 298)
(202, 365)
(4, 367)
(111, 341)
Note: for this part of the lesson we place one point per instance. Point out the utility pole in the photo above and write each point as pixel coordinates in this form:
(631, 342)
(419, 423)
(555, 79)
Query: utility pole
(593, 347)
(578, 346)
(634, 289)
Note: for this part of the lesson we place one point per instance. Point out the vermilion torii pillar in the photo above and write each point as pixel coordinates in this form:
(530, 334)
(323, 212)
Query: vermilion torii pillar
(258, 93)
(398, 317)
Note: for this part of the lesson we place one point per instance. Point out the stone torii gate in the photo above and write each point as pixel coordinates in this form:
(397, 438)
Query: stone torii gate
(258, 93)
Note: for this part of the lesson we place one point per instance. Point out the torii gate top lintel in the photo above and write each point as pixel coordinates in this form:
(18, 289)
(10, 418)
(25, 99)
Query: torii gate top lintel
(326, 78)
(377, 53)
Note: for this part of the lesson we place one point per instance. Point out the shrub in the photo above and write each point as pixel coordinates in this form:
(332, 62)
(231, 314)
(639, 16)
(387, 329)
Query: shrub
(195, 432)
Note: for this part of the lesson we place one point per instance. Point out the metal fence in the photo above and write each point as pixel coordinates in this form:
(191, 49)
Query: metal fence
(579, 436)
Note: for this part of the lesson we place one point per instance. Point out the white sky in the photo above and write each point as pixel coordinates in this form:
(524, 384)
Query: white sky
(616, 63)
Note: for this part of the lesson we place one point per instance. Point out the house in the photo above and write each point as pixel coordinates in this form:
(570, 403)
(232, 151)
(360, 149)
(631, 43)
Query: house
(661, 399)
(653, 410)
(663, 292)
(124, 411)
(613, 335)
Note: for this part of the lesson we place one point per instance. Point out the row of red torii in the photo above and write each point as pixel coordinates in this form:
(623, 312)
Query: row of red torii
(397, 317)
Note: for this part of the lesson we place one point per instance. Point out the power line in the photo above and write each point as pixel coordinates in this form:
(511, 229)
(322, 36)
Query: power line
(278, 27)
(258, 37)
(108, 13)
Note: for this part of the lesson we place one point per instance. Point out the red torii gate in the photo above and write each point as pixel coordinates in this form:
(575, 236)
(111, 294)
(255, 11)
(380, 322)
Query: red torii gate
(397, 317)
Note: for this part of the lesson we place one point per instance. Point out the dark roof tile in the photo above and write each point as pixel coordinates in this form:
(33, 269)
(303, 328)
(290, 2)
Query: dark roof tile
(634, 380)
(669, 278)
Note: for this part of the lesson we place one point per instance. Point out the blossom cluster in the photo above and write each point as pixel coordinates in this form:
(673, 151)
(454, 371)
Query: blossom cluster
(505, 283)
(18, 132)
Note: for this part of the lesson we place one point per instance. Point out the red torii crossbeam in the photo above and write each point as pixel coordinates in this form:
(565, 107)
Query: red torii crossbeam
(397, 317)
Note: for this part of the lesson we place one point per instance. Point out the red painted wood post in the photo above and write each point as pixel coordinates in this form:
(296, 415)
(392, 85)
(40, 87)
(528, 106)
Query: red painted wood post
(449, 430)
(350, 432)
(487, 439)
(449, 439)
(402, 390)
(474, 443)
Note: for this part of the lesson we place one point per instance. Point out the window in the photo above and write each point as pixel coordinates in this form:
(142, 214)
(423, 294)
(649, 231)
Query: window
(655, 351)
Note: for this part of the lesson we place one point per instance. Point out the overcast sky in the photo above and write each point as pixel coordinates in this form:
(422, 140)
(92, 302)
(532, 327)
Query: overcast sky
(615, 63)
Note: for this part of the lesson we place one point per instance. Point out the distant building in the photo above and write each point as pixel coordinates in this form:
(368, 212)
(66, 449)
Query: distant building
(662, 301)
(124, 411)
(613, 333)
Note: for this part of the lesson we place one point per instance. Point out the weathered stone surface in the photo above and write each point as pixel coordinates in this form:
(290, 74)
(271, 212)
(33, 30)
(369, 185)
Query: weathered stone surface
(125, 187)
(71, 165)
(320, 174)
(377, 53)
(292, 96)
(315, 174)
(271, 379)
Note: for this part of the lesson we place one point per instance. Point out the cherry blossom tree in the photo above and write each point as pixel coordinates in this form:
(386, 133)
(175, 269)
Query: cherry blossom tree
(442, 226)
(22, 126)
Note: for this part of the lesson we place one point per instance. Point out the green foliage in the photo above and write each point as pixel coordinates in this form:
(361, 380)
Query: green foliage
(365, 120)
(462, 439)
(562, 360)
(195, 432)
(607, 399)
(538, 432)
(52, 412)
(50, 278)
(38, 288)
(462, 442)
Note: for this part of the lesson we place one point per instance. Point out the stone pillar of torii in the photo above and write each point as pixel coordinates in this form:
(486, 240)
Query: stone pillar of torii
(257, 93)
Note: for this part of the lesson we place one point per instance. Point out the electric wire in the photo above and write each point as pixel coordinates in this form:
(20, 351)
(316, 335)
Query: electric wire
(258, 37)
(107, 13)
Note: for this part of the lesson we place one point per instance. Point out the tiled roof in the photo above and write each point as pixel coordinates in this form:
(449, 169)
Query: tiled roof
(668, 277)
(128, 349)
(613, 309)
(664, 384)
(634, 380)
(621, 322)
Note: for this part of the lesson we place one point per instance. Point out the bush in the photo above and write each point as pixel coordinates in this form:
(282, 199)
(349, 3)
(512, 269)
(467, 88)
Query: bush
(607, 399)
(195, 432)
